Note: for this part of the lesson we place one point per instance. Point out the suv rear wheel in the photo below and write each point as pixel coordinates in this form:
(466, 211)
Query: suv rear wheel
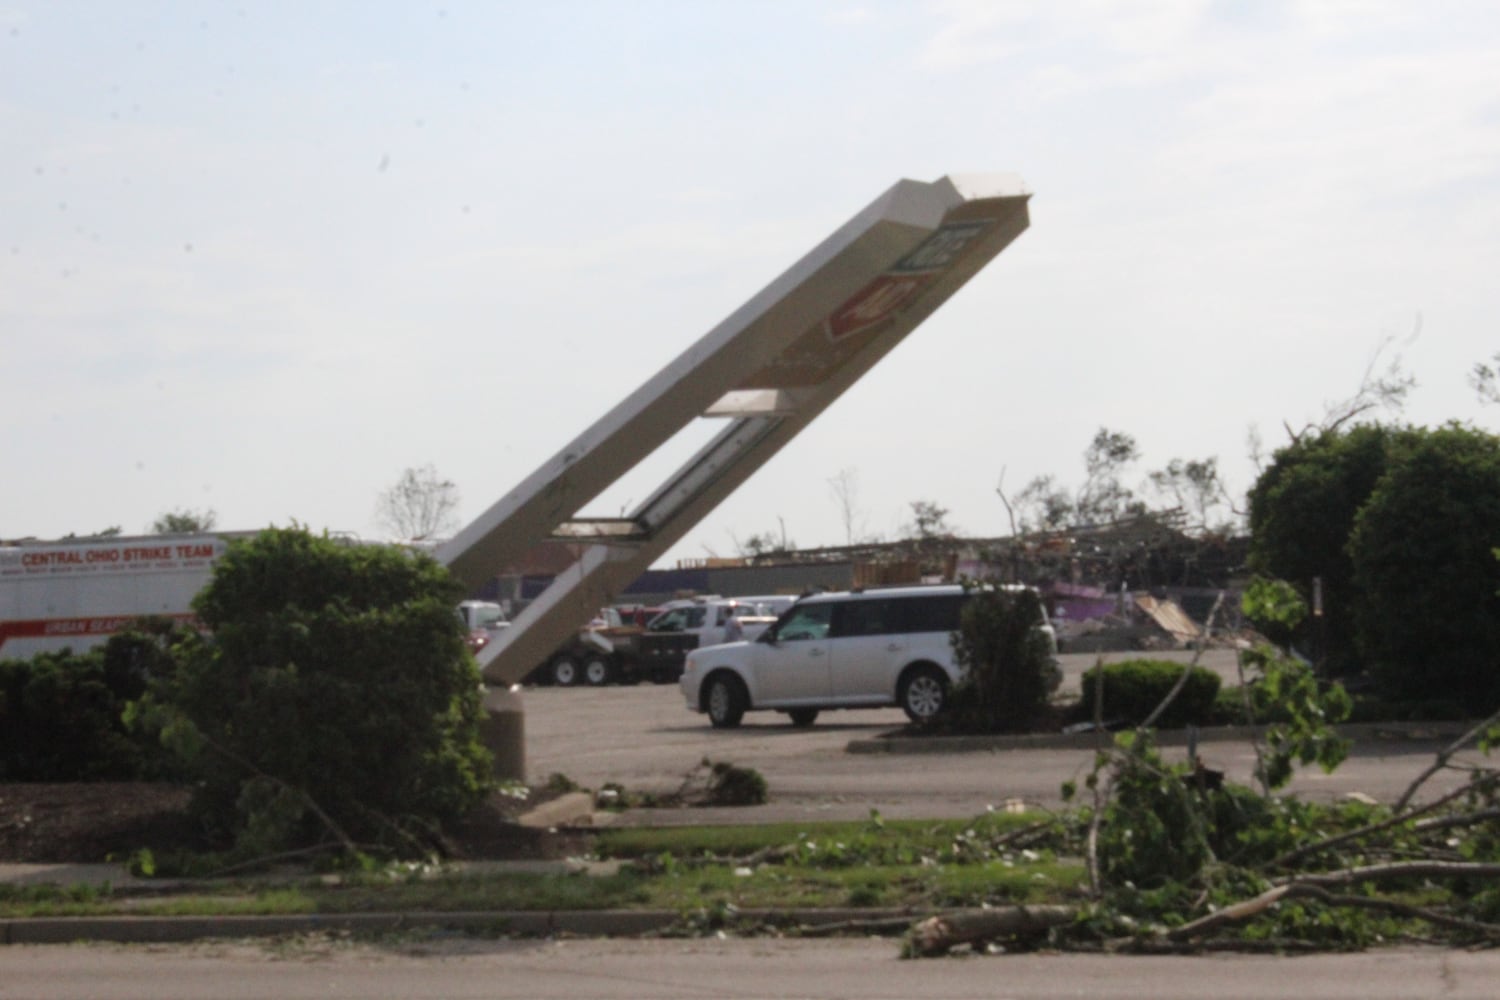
(924, 692)
(803, 717)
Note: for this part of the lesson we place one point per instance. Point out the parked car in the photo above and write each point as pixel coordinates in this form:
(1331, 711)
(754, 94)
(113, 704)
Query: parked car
(482, 619)
(854, 649)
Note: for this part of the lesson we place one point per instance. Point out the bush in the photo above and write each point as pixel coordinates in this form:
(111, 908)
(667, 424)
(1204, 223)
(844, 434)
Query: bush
(1009, 672)
(334, 700)
(1302, 510)
(1133, 689)
(1422, 550)
(61, 713)
(729, 785)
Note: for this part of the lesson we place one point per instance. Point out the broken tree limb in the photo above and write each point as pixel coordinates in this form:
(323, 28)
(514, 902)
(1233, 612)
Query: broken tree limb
(879, 925)
(1457, 819)
(1305, 890)
(1400, 909)
(1229, 914)
(940, 934)
(1398, 869)
(1444, 755)
(1293, 856)
(1198, 647)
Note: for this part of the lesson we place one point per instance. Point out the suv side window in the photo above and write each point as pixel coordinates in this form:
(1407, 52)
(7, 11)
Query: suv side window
(937, 613)
(806, 621)
(877, 617)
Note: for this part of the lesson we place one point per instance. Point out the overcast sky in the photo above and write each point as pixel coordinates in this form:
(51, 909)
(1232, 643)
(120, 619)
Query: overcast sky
(260, 257)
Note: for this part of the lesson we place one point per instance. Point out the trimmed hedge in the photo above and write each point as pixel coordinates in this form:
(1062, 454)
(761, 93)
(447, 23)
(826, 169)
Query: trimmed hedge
(1133, 689)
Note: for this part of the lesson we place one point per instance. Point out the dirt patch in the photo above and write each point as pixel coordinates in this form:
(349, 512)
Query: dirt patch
(88, 823)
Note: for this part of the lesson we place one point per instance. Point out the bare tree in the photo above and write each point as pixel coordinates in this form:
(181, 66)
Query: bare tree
(113, 531)
(420, 506)
(1103, 497)
(1043, 505)
(184, 522)
(928, 520)
(765, 542)
(1485, 378)
(1197, 489)
(845, 489)
(1380, 388)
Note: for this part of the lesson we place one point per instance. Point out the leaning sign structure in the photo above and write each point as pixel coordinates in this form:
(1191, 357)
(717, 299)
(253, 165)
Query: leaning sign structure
(767, 371)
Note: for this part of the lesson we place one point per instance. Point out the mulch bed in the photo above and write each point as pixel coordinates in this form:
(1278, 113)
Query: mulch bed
(88, 823)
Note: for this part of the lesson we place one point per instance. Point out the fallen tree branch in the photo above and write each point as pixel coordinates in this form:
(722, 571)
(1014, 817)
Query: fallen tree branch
(1399, 869)
(1187, 669)
(939, 934)
(1401, 909)
(1293, 856)
(1306, 890)
(882, 925)
(1229, 914)
(1441, 761)
(328, 846)
(1457, 819)
(306, 798)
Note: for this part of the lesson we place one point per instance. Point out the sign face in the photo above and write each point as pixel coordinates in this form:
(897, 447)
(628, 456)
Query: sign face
(874, 304)
(883, 297)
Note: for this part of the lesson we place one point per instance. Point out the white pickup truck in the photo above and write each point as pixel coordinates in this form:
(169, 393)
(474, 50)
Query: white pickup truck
(609, 651)
(684, 626)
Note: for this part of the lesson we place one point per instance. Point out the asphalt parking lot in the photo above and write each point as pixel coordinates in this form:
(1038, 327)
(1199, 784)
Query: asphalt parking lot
(644, 739)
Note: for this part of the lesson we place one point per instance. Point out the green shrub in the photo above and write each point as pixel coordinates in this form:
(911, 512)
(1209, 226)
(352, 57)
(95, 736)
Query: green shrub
(334, 700)
(1422, 551)
(1133, 689)
(1009, 672)
(61, 713)
(1374, 708)
(730, 785)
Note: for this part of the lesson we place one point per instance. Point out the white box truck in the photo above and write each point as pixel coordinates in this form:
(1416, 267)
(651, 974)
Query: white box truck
(76, 593)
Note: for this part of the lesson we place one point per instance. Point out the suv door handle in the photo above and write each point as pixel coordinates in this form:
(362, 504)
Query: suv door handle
(814, 652)
(894, 647)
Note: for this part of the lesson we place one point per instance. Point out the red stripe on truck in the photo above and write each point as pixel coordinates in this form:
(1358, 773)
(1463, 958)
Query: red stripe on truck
(48, 628)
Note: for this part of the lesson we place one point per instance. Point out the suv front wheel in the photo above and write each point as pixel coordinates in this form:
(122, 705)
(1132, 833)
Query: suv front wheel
(923, 693)
(725, 701)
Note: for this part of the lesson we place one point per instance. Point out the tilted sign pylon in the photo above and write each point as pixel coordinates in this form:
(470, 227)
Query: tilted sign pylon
(768, 370)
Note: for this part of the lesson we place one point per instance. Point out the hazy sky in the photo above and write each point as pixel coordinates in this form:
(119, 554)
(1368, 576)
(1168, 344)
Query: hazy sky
(260, 257)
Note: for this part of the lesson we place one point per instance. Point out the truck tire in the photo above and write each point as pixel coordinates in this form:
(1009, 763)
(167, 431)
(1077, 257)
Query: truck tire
(725, 700)
(598, 671)
(565, 672)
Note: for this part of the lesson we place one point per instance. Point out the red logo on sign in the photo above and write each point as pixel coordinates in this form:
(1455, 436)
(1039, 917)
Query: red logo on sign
(874, 303)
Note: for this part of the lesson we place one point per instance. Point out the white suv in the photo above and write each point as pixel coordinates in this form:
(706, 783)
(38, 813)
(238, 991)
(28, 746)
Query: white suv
(860, 649)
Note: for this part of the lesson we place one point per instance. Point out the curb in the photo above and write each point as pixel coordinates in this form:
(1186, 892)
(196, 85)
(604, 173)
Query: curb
(1365, 732)
(506, 923)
